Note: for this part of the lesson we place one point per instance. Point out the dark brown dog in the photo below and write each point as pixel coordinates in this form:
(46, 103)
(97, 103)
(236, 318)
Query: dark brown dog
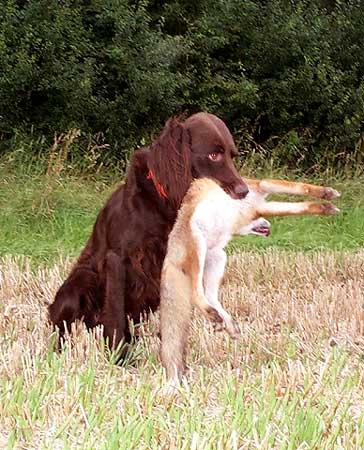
(118, 272)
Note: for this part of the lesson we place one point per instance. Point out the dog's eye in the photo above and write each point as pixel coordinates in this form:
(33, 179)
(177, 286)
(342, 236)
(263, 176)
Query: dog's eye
(215, 156)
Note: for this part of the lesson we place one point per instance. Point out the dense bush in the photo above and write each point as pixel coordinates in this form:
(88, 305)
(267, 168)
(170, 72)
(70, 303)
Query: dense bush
(287, 76)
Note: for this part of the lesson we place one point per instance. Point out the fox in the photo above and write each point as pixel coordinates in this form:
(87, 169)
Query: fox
(195, 260)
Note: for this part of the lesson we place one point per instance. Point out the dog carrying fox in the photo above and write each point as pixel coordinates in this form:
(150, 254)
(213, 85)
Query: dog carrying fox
(195, 259)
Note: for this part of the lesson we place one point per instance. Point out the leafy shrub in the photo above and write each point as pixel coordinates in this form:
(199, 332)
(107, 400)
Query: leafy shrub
(286, 76)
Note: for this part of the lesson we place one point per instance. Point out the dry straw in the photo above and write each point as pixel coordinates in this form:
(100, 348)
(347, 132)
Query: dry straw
(294, 309)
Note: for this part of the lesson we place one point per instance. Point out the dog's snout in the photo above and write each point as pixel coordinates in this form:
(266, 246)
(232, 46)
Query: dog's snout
(241, 190)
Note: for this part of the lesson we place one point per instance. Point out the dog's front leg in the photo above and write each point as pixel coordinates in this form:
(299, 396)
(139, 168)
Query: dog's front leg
(113, 312)
(213, 273)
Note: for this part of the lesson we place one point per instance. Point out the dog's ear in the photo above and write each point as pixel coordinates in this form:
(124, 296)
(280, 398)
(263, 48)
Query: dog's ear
(170, 161)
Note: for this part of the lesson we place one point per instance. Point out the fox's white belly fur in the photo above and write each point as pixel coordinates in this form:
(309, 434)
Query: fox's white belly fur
(217, 216)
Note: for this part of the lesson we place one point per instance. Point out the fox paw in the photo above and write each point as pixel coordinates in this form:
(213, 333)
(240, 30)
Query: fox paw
(213, 315)
(329, 193)
(233, 329)
(329, 209)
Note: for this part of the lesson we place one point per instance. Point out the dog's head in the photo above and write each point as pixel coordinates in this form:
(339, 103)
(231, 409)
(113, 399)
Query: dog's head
(213, 151)
(201, 146)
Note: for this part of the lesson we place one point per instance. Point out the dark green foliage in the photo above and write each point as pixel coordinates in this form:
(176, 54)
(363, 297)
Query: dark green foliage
(287, 76)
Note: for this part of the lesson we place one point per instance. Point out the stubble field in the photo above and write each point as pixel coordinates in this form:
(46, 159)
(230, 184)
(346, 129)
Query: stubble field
(294, 380)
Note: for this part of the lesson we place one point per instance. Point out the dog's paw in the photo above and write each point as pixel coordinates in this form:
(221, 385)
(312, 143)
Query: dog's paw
(329, 193)
(329, 209)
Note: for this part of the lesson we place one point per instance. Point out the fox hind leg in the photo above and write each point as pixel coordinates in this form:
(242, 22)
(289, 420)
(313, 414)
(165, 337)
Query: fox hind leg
(213, 272)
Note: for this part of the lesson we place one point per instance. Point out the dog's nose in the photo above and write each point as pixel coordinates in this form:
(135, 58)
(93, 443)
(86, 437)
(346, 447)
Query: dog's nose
(241, 190)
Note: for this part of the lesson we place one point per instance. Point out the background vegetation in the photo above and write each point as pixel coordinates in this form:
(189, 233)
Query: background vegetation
(285, 75)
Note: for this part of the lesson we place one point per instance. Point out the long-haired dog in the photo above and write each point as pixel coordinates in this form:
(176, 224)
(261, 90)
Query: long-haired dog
(118, 272)
(195, 260)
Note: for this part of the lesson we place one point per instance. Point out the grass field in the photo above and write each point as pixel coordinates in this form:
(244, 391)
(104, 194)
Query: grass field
(46, 217)
(294, 380)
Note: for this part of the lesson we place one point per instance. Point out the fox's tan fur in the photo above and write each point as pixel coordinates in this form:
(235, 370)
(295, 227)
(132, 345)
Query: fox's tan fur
(195, 260)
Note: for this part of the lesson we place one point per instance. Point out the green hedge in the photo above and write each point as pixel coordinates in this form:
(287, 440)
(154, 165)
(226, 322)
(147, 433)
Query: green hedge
(287, 76)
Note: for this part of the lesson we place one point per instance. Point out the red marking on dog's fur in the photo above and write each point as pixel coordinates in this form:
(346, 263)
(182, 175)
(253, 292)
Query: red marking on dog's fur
(160, 189)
